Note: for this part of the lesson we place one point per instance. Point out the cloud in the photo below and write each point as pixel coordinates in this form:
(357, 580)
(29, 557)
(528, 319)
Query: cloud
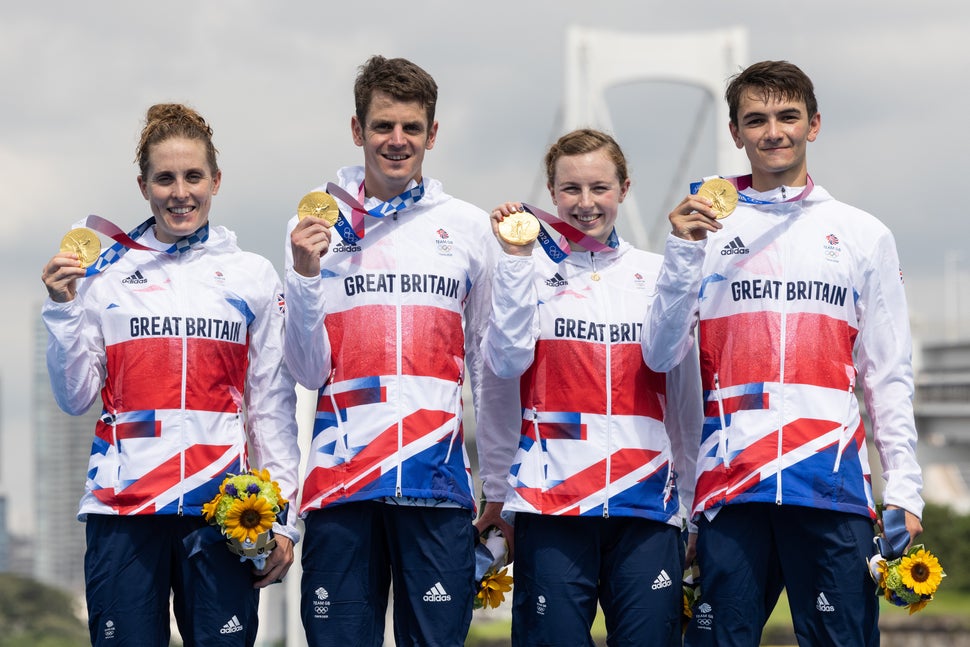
(275, 82)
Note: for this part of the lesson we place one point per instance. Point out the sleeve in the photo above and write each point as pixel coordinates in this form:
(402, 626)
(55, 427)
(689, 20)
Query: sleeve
(669, 326)
(76, 356)
(513, 326)
(884, 361)
(498, 413)
(684, 419)
(271, 401)
(307, 346)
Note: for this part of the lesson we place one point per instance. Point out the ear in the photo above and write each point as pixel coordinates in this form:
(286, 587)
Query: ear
(624, 189)
(357, 130)
(143, 187)
(552, 194)
(814, 125)
(216, 182)
(432, 135)
(734, 134)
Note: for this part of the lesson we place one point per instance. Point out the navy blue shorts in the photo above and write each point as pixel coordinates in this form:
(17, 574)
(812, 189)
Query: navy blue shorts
(133, 564)
(751, 550)
(565, 564)
(353, 552)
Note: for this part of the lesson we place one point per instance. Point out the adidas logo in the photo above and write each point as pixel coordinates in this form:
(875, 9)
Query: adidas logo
(437, 593)
(662, 581)
(735, 247)
(135, 279)
(232, 626)
(345, 247)
(822, 604)
(557, 281)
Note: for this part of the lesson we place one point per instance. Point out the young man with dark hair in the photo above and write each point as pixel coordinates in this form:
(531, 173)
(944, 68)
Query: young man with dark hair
(796, 299)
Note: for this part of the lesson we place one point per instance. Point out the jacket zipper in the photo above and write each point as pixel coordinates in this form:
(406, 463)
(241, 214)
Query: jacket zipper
(722, 439)
(779, 463)
(185, 371)
(542, 453)
(341, 441)
(114, 440)
(398, 486)
(609, 398)
(843, 437)
(458, 416)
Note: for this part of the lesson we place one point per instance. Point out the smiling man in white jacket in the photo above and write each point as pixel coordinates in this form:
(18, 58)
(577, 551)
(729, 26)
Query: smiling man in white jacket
(796, 299)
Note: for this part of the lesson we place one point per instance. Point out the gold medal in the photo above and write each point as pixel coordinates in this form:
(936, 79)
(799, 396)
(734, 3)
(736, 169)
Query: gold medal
(83, 242)
(722, 194)
(318, 204)
(519, 228)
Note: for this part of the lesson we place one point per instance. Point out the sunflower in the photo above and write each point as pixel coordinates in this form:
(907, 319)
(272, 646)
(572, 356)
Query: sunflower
(921, 572)
(918, 606)
(493, 589)
(209, 509)
(249, 517)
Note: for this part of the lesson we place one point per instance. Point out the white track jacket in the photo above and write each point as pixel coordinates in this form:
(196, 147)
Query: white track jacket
(600, 434)
(386, 333)
(187, 353)
(795, 305)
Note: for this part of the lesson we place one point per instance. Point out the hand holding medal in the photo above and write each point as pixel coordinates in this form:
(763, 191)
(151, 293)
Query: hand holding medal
(515, 228)
(318, 204)
(83, 242)
(694, 218)
(518, 228)
(310, 240)
(60, 275)
(722, 194)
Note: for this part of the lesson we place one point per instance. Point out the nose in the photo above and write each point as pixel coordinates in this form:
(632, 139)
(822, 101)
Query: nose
(397, 135)
(586, 198)
(773, 130)
(180, 188)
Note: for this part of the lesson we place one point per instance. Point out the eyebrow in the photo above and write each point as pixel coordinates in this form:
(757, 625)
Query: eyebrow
(793, 110)
(417, 123)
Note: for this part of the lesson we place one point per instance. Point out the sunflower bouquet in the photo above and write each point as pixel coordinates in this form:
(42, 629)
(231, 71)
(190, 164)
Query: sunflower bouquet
(908, 581)
(491, 573)
(244, 510)
(692, 592)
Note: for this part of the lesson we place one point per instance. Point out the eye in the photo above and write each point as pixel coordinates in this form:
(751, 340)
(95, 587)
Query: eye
(164, 179)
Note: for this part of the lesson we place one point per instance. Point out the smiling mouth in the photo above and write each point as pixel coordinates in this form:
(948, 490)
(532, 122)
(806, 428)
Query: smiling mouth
(587, 218)
(396, 158)
(181, 211)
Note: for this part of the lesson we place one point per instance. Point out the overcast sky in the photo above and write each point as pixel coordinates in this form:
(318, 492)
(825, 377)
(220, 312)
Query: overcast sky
(275, 81)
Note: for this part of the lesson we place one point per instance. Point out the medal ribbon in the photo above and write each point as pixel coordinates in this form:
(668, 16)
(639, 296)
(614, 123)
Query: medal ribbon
(558, 250)
(742, 182)
(896, 536)
(124, 242)
(353, 231)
